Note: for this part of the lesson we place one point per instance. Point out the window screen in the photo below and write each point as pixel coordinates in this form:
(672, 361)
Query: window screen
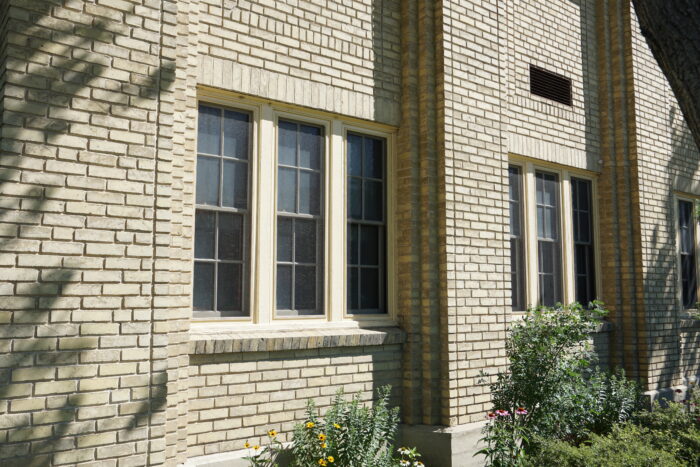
(548, 238)
(517, 253)
(366, 287)
(221, 248)
(299, 284)
(584, 260)
(686, 228)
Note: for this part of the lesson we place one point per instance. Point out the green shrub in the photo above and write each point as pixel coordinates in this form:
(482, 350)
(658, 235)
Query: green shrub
(350, 435)
(627, 445)
(674, 428)
(552, 376)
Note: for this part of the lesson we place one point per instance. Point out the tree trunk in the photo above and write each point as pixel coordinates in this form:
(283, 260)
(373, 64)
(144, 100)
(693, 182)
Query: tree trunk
(672, 30)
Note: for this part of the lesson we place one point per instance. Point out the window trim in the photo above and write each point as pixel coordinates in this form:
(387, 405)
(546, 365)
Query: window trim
(263, 215)
(529, 167)
(695, 200)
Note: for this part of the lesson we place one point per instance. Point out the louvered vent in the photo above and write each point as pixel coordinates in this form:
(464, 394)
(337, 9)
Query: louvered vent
(550, 85)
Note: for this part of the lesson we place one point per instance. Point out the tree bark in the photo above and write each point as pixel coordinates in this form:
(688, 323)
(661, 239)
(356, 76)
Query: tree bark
(672, 30)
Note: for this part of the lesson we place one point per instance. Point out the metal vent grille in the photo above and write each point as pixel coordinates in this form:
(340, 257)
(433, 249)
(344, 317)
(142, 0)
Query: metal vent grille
(550, 85)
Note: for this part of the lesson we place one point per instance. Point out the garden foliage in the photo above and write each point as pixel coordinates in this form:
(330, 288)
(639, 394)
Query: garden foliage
(553, 378)
(350, 435)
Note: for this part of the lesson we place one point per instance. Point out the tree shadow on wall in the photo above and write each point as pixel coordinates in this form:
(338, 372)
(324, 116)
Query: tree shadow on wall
(56, 403)
(673, 337)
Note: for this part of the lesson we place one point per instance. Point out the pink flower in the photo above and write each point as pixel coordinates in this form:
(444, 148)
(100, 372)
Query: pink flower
(490, 415)
(521, 411)
(502, 413)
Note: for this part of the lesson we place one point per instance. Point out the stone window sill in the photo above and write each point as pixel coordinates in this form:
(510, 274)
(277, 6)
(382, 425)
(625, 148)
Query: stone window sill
(213, 341)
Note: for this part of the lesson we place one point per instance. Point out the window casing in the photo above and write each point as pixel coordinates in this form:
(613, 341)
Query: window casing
(687, 241)
(552, 235)
(299, 220)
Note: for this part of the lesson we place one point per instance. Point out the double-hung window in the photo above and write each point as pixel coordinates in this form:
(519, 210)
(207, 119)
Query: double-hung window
(687, 249)
(551, 230)
(292, 216)
(222, 220)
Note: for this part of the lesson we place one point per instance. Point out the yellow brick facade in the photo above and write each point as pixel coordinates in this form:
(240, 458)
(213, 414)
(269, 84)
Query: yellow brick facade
(101, 360)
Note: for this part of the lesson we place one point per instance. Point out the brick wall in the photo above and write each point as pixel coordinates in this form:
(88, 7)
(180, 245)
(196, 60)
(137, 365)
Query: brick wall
(668, 161)
(87, 124)
(238, 397)
(336, 56)
(560, 38)
(475, 162)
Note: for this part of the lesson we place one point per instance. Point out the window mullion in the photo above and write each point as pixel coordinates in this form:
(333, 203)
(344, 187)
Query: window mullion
(530, 241)
(336, 203)
(266, 227)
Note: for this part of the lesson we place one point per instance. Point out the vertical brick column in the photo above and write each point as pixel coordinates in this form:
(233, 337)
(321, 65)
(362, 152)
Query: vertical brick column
(420, 214)
(90, 271)
(619, 191)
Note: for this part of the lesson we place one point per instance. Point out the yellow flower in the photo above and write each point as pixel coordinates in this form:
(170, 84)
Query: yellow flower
(272, 433)
(310, 424)
(246, 445)
(322, 437)
(322, 462)
(336, 426)
(331, 459)
(324, 445)
(256, 447)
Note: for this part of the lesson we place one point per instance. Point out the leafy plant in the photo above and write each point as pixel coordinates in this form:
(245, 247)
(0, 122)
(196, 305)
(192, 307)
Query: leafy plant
(409, 457)
(552, 374)
(627, 445)
(350, 435)
(505, 435)
(267, 456)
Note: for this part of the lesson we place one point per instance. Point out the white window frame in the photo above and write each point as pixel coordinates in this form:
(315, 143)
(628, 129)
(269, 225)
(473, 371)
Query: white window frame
(263, 216)
(528, 169)
(695, 200)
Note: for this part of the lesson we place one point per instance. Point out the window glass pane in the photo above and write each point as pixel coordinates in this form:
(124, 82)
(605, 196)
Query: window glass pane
(204, 230)
(686, 226)
(355, 155)
(309, 193)
(366, 194)
(310, 144)
(230, 236)
(374, 200)
(236, 133)
(549, 244)
(517, 274)
(287, 190)
(355, 198)
(203, 294)
(229, 288)
(369, 286)
(354, 244)
(287, 154)
(353, 288)
(209, 131)
(207, 180)
(584, 265)
(374, 158)
(369, 241)
(284, 287)
(300, 197)
(305, 288)
(305, 241)
(285, 235)
(235, 192)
